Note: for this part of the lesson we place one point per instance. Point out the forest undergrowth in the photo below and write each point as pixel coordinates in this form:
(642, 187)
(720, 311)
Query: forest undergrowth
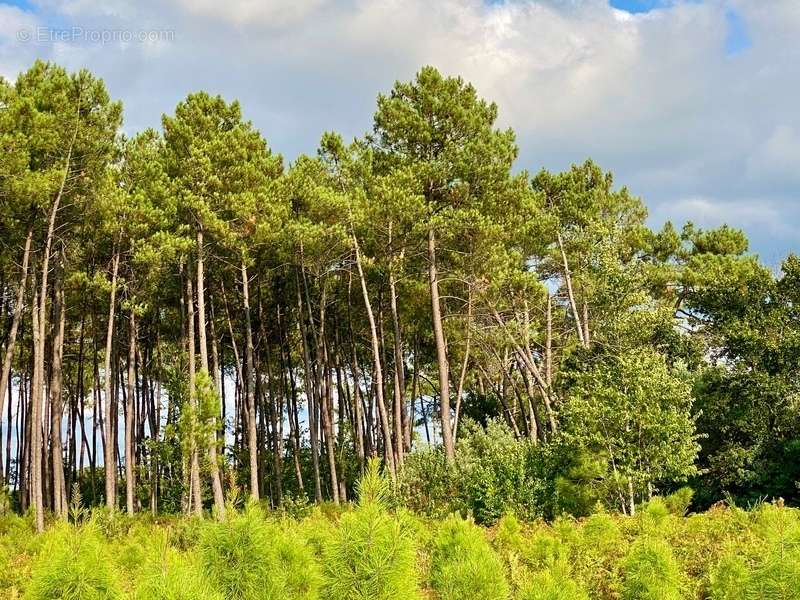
(375, 549)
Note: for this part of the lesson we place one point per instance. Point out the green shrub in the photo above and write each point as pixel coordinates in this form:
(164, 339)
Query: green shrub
(777, 577)
(371, 555)
(679, 501)
(600, 534)
(552, 584)
(169, 575)
(493, 474)
(651, 572)
(249, 558)
(74, 565)
(463, 564)
(729, 579)
(654, 517)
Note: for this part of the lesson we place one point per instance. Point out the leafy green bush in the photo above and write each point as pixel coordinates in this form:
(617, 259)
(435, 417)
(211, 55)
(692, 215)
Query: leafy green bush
(74, 564)
(651, 572)
(249, 558)
(464, 566)
(493, 474)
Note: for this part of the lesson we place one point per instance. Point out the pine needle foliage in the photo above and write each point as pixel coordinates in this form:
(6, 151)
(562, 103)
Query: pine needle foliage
(168, 574)
(651, 572)
(553, 584)
(464, 566)
(74, 565)
(371, 551)
(371, 555)
(249, 558)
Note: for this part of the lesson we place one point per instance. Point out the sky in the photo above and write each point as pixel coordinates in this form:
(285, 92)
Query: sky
(692, 104)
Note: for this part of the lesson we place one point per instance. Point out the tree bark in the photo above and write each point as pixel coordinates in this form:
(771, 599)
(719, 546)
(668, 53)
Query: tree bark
(130, 474)
(400, 413)
(376, 357)
(441, 350)
(57, 408)
(109, 458)
(19, 304)
(464, 364)
(252, 434)
(568, 281)
(195, 497)
(216, 482)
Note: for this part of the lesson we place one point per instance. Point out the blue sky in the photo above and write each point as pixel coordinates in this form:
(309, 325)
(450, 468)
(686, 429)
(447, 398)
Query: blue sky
(736, 40)
(691, 103)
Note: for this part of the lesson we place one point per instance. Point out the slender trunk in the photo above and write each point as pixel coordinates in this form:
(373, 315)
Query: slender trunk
(462, 376)
(548, 344)
(376, 357)
(324, 396)
(38, 362)
(400, 413)
(109, 456)
(294, 421)
(568, 281)
(414, 393)
(358, 417)
(130, 474)
(19, 304)
(34, 425)
(310, 401)
(57, 408)
(441, 350)
(252, 434)
(195, 497)
(216, 482)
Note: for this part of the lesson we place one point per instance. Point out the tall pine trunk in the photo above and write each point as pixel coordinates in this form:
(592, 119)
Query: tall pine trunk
(130, 474)
(19, 305)
(57, 408)
(388, 452)
(252, 434)
(441, 350)
(216, 481)
(109, 456)
(195, 496)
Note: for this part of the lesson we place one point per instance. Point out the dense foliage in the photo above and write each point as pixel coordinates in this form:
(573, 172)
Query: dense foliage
(185, 320)
(371, 551)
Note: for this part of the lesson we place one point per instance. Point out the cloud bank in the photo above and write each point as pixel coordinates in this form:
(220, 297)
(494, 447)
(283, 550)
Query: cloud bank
(693, 105)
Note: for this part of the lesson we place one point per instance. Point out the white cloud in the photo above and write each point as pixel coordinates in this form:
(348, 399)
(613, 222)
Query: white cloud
(653, 97)
(254, 13)
(778, 157)
(17, 30)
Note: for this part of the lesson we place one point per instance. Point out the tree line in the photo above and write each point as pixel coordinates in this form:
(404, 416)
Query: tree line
(183, 315)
